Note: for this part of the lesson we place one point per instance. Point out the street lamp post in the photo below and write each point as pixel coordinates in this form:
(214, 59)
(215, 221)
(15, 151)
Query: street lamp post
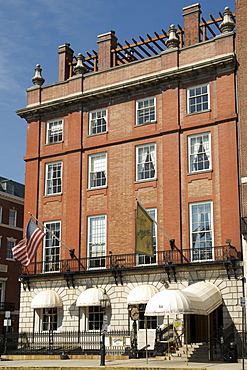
(104, 303)
(134, 316)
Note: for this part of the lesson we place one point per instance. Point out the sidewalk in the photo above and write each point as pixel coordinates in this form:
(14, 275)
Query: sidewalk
(153, 363)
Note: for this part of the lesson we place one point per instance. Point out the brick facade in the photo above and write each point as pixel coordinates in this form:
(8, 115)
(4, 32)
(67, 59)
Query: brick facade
(242, 117)
(165, 78)
(11, 199)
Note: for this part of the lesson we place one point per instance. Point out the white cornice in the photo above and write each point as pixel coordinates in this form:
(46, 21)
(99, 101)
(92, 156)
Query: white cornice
(220, 61)
(11, 197)
(11, 227)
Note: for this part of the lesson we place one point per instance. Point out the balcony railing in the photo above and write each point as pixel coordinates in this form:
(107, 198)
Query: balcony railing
(7, 306)
(128, 261)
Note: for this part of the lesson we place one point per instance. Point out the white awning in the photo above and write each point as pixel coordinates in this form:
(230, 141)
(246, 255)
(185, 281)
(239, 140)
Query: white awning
(46, 299)
(141, 294)
(90, 297)
(168, 302)
(204, 296)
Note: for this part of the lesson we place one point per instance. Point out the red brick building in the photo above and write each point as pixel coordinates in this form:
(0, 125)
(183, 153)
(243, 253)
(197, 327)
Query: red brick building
(11, 230)
(154, 120)
(242, 119)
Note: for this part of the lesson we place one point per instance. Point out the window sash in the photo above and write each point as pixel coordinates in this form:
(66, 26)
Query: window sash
(200, 152)
(53, 178)
(97, 170)
(95, 318)
(97, 240)
(198, 98)
(146, 110)
(54, 131)
(2, 291)
(10, 244)
(12, 217)
(52, 246)
(97, 122)
(49, 319)
(146, 162)
(201, 230)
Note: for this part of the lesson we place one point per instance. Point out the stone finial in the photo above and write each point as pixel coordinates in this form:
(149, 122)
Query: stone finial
(172, 41)
(227, 25)
(38, 80)
(79, 69)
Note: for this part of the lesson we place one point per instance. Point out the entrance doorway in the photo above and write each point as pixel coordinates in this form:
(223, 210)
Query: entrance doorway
(201, 328)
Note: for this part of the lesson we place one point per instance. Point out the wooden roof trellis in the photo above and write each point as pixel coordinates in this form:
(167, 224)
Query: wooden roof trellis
(151, 46)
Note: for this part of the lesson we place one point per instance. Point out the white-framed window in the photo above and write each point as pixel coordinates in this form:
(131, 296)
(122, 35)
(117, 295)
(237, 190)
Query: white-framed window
(145, 110)
(146, 162)
(53, 178)
(198, 99)
(11, 242)
(1, 214)
(12, 217)
(98, 121)
(2, 290)
(97, 240)
(97, 170)
(146, 260)
(199, 149)
(49, 319)
(201, 230)
(95, 317)
(52, 246)
(54, 131)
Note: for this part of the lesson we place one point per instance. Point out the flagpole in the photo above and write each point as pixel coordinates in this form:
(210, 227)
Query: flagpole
(52, 233)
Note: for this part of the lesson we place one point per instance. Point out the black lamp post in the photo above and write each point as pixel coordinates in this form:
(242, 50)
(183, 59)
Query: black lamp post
(104, 303)
(134, 316)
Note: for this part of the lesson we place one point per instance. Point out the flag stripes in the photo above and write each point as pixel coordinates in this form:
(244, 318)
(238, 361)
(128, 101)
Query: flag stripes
(26, 249)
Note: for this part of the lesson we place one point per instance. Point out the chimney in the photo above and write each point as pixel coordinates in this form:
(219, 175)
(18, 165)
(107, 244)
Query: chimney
(191, 24)
(106, 42)
(65, 58)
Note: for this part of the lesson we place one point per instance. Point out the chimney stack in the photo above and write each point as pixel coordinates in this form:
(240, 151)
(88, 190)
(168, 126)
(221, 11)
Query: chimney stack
(106, 42)
(65, 58)
(191, 24)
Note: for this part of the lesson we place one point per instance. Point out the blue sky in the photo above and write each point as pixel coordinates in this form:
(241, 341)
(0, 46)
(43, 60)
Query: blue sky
(31, 31)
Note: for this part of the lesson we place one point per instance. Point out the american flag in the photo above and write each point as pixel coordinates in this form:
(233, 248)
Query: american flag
(26, 249)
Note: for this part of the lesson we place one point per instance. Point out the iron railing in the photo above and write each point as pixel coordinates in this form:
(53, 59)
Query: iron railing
(69, 342)
(7, 306)
(129, 261)
(223, 345)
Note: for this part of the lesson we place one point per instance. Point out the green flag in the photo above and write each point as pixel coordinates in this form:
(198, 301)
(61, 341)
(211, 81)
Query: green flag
(144, 232)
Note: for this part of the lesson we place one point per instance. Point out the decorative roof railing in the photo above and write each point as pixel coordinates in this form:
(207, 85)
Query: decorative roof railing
(151, 46)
